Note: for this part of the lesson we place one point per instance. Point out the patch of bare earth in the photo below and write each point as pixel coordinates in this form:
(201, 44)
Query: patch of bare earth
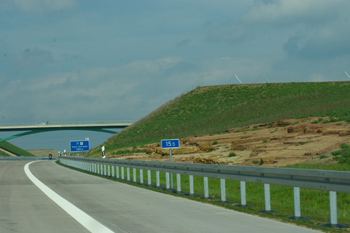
(280, 143)
(43, 152)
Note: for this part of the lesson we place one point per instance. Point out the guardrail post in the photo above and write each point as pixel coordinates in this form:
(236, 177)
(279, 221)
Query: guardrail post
(243, 195)
(167, 181)
(149, 180)
(128, 173)
(134, 175)
(296, 201)
(178, 182)
(122, 171)
(98, 168)
(267, 200)
(206, 188)
(157, 179)
(190, 179)
(141, 176)
(117, 171)
(113, 170)
(101, 170)
(223, 190)
(333, 212)
(109, 170)
(105, 170)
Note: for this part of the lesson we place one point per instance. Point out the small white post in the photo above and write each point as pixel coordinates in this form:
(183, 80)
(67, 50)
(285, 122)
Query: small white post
(333, 207)
(178, 182)
(243, 196)
(141, 176)
(267, 197)
(296, 199)
(149, 177)
(190, 177)
(206, 187)
(134, 174)
(157, 179)
(167, 180)
(222, 189)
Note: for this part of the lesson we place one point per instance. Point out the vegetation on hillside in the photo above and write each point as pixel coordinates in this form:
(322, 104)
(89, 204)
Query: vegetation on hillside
(215, 109)
(2, 153)
(14, 149)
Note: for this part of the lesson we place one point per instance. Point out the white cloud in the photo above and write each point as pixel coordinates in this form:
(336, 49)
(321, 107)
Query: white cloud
(123, 92)
(33, 58)
(289, 13)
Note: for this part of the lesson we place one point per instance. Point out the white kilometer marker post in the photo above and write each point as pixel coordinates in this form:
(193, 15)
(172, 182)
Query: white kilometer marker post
(168, 144)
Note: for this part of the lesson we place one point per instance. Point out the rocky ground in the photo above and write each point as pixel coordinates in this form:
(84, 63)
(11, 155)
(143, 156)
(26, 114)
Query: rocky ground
(280, 143)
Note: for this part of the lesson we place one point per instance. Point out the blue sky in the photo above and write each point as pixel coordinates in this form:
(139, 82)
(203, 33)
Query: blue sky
(75, 60)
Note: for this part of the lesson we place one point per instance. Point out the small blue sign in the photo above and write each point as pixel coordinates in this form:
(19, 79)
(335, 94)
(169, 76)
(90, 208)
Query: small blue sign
(170, 143)
(79, 146)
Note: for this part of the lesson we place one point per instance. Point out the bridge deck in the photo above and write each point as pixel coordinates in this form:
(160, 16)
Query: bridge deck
(53, 126)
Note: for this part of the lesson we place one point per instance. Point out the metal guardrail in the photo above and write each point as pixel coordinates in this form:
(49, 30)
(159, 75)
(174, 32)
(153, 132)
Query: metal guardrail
(27, 158)
(332, 181)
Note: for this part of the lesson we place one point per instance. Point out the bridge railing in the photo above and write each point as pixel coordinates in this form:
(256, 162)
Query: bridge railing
(332, 181)
(66, 123)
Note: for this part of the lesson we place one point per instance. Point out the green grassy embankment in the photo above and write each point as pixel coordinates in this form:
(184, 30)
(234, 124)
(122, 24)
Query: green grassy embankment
(14, 149)
(214, 109)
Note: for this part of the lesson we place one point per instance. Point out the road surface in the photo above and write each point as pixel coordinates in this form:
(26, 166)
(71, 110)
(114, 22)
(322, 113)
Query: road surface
(116, 206)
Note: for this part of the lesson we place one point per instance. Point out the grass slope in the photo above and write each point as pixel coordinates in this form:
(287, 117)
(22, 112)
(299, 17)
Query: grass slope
(215, 109)
(14, 149)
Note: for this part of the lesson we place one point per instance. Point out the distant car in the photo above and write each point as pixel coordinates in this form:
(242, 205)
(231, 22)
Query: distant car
(40, 123)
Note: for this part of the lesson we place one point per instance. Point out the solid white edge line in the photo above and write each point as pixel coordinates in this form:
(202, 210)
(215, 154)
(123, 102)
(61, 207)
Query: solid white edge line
(84, 219)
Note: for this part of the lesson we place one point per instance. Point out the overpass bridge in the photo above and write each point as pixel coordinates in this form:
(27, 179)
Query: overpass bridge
(45, 127)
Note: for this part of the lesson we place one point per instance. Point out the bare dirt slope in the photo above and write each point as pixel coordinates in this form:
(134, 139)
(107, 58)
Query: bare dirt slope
(280, 143)
(43, 152)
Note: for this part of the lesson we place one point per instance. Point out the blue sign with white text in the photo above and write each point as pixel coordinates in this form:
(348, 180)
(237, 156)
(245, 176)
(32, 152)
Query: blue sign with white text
(79, 146)
(170, 143)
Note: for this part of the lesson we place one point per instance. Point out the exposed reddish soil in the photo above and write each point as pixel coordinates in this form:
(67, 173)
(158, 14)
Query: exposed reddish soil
(280, 143)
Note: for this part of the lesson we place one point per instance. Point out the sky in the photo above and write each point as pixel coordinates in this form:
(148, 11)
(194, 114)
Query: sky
(87, 60)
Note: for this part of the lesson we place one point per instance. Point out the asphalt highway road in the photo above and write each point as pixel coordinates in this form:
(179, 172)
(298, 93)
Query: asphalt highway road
(117, 206)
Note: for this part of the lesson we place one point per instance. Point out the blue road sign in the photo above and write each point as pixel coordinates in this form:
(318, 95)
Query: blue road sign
(79, 146)
(170, 143)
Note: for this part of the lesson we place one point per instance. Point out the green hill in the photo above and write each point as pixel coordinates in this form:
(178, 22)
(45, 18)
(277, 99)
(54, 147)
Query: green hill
(214, 109)
(14, 149)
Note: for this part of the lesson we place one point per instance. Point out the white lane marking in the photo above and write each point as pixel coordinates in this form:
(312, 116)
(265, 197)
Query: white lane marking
(84, 219)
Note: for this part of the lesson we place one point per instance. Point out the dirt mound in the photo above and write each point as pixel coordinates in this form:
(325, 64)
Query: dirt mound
(43, 152)
(279, 143)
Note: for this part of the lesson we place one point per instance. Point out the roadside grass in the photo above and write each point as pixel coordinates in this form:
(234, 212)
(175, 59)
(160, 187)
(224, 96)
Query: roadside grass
(14, 149)
(2, 153)
(212, 110)
(314, 203)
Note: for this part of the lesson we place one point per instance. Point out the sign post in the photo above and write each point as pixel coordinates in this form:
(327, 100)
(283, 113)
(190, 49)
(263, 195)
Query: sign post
(168, 144)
